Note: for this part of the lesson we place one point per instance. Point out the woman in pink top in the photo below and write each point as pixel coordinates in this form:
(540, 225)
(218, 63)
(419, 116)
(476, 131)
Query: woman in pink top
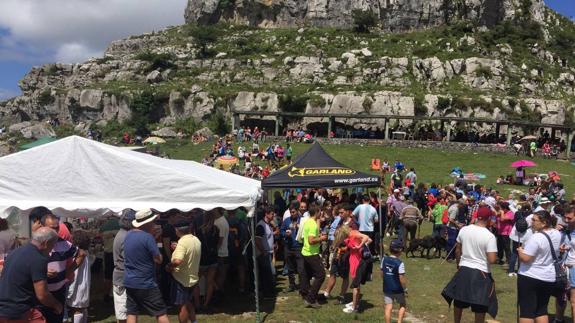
(358, 266)
(505, 221)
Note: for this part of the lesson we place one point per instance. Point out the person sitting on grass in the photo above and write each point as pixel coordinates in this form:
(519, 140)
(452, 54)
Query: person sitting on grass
(394, 281)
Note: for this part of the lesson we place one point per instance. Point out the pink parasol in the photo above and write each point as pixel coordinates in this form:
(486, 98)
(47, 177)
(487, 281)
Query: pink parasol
(523, 163)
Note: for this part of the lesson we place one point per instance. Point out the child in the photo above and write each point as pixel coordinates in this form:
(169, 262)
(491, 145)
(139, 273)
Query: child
(394, 281)
(78, 298)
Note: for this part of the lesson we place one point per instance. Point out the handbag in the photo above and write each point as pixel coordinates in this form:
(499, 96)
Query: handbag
(560, 274)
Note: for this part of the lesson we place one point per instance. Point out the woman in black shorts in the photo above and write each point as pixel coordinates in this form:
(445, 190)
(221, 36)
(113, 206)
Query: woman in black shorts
(208, 234)
(536, 280)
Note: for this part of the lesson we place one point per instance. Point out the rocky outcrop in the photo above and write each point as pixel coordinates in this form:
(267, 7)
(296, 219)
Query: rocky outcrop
(394, 15)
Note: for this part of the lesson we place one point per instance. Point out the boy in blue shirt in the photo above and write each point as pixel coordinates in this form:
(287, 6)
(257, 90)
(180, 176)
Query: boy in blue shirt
(394, 281)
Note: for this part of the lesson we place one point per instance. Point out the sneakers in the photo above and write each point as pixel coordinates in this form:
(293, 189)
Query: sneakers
(349, 310)
(310, 305)
(512, 275)
(349, 305)
(324, 293)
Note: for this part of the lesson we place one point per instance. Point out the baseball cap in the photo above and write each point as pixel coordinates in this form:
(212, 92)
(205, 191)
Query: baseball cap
(396, 245)
(396, 190)
(484, 213)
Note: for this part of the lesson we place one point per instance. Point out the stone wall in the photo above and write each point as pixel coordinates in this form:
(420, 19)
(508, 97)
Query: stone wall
(435, 145)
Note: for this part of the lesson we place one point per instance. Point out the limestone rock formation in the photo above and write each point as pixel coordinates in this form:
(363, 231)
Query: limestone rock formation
(394, 15)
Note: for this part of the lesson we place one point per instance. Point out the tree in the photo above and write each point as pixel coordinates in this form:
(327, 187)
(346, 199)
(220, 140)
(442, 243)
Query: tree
(363, 20)
(205, 36)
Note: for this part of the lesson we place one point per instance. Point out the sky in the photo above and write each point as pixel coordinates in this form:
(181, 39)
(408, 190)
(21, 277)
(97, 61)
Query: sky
(36, 32)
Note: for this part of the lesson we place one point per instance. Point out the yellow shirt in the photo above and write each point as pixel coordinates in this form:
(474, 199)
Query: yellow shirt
(310, 228)
(189, 251)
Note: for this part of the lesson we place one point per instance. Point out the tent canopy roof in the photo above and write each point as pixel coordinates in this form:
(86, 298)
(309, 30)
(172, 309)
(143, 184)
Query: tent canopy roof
(78, 176)
(315, 168)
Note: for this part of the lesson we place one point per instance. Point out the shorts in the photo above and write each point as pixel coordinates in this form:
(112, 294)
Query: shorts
(108, 265)
(180, 294)
(481, 309)
(120, 299)
(340, 267)
(398, 298)
(148, 300)
(534, 295)
(205, 268)
(360, 274)
(31, 316)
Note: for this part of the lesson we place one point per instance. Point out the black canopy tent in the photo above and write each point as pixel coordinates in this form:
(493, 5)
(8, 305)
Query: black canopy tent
(317, 169)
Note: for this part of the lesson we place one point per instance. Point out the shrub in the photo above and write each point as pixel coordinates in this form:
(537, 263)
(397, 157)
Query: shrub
(364, 20)
(45, 98)
(443, 103)
(186, 125)
(292, 102)
(483, 71)
(205, 36)
(316, 100)
(158, 61)
(219, 124)
(419, 105)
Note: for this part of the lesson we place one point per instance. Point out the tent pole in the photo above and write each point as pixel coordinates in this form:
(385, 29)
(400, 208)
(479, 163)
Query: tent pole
(380, 225)
(255, 261)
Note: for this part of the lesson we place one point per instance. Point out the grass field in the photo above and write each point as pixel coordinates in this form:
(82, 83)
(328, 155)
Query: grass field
(426, 278)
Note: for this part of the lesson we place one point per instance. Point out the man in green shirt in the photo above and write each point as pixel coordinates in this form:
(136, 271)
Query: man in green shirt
(312, 262)
(437, 214)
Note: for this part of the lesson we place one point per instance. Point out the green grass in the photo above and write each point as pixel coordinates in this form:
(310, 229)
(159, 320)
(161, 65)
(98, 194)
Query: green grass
(426, 278)
(432, 166)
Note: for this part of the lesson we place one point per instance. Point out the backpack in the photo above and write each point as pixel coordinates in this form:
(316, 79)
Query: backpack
(445, 217)
(521, 224)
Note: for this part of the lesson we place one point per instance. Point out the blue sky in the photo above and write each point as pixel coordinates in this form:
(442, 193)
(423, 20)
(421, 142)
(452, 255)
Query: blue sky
(36, 32)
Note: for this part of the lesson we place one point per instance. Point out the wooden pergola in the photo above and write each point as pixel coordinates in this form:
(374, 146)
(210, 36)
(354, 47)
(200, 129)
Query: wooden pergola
(331, 117)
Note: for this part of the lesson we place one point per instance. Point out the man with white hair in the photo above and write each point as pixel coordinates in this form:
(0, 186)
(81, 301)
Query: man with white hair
(141, 254)
(24, 280)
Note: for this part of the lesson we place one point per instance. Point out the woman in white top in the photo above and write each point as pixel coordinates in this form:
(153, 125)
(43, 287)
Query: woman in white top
(536, 277)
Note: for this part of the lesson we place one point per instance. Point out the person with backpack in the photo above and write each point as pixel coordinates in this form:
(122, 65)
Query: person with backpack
(540, 272)
(520, 233)
(292, 247)
(394, 281)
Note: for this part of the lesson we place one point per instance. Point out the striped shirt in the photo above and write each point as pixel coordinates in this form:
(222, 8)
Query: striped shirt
(60, 257)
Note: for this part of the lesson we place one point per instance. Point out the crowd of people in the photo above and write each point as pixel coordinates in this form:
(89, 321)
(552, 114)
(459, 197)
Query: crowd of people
(156, 261)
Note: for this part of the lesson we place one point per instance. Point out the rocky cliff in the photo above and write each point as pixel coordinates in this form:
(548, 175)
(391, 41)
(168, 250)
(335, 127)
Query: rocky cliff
(393, 15)
(521, 68)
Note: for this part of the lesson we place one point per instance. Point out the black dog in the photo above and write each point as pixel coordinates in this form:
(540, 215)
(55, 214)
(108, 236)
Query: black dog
(428, 242)
(414, 245)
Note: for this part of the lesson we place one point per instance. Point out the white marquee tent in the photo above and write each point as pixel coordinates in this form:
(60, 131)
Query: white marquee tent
(77, 176)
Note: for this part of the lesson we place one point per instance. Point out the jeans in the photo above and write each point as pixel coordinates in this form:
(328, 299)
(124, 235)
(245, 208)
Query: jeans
(295, 264)
(312, 268)
(513, 257)
(451, 240)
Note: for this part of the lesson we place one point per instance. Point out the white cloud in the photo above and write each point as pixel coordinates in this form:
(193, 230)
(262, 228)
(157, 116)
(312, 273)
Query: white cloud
(74, 30)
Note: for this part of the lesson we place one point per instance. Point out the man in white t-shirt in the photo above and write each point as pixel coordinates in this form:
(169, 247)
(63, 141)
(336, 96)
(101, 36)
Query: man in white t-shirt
(475, 250)
(224, 229)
